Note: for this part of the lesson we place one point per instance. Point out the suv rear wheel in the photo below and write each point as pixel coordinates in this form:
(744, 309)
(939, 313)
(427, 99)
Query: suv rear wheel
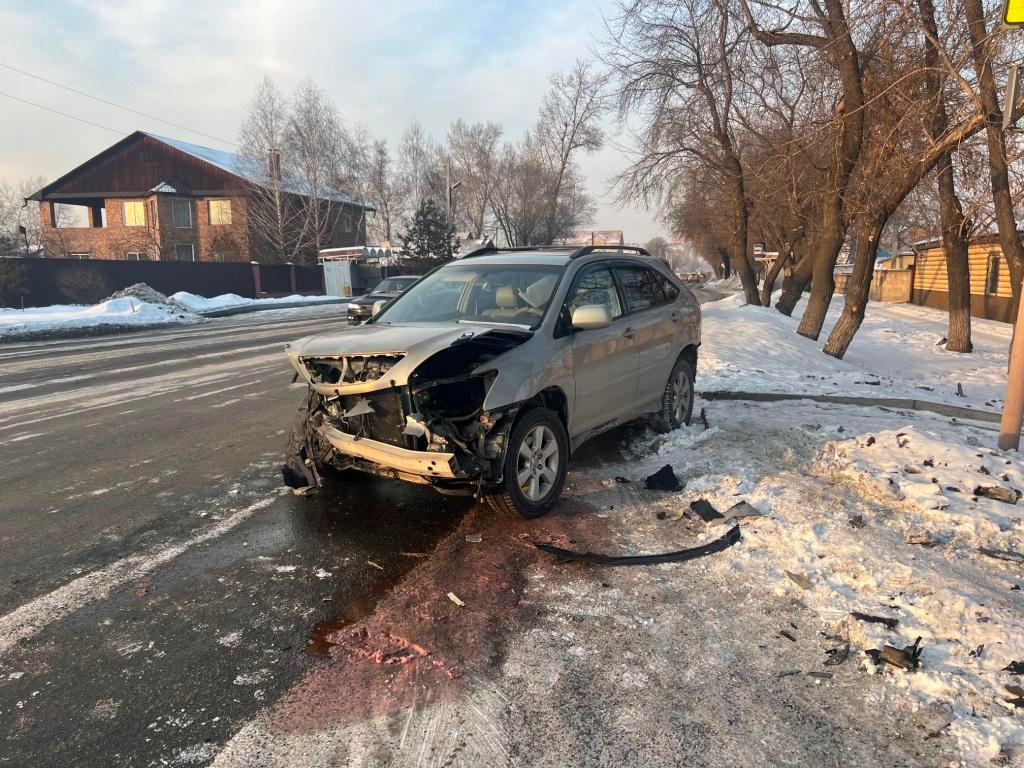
(677, 399)
(536, 463)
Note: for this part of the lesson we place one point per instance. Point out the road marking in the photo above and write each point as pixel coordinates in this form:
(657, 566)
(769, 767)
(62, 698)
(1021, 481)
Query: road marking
(26, 621)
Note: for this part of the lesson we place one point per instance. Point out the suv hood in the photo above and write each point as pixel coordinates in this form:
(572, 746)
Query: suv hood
(411, 344)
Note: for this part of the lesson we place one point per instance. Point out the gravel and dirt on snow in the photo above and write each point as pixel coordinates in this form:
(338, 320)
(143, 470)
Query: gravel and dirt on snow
(870, 528)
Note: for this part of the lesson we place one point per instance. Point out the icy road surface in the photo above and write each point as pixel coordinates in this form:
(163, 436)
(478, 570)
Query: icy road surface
(157, 588)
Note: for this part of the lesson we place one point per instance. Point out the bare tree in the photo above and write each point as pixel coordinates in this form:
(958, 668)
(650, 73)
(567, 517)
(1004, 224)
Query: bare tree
(386, 191)
(473, 150)
(419, 164)
(955, 227)
(272, 213)
(569, 122)
(983, 50)
(675, 65)
(313, 139)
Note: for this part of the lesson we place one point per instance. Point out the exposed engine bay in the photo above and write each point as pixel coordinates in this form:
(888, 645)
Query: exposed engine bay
(432, 428)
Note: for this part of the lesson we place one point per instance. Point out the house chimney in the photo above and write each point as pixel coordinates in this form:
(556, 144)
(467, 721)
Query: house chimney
(274, 164)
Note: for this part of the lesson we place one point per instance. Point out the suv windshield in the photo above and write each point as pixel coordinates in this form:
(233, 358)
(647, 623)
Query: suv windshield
(393, 285)
(484, 293)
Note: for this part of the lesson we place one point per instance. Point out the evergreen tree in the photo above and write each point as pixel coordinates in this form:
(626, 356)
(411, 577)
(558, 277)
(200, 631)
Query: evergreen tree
(428, 237)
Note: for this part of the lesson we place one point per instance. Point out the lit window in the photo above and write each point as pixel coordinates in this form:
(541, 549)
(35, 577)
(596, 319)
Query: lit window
(134, 213)
(185, 252)
(220, 212)
(181, 213)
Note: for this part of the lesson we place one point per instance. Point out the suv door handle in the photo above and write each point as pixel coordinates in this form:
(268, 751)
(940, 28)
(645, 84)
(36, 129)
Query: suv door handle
(628, 333)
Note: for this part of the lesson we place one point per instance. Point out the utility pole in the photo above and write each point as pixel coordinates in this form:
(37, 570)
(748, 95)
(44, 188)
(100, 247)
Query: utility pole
(1013, 401)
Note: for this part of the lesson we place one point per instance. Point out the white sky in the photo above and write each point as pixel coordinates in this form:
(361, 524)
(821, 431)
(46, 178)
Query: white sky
(382, 62)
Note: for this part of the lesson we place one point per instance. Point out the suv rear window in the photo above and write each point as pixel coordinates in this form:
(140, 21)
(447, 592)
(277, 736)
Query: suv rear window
(637, 287)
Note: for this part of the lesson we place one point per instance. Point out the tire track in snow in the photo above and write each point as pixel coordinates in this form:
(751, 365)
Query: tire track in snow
(26, 621)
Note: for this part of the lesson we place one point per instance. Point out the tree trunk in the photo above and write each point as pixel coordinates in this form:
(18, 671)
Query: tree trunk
(954, 243)
(770, 277)
(823, 285)
(954, 227)
(858, 288)
(723, 254)
(738, 244)
(995, 140)
(793, 285)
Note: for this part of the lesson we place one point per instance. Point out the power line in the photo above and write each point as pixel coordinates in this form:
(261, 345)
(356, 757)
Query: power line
(114, 104)
(64, 114)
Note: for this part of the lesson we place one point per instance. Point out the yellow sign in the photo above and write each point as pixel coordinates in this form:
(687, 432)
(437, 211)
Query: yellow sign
(1013, 13)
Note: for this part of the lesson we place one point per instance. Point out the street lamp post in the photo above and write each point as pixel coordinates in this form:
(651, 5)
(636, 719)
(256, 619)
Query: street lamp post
(451, 189)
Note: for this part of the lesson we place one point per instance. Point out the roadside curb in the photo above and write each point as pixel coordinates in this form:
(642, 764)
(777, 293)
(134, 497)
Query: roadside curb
(243, 309)
(942, 409)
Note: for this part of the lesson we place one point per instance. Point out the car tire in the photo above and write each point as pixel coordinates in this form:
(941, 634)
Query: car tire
(677, 399)
(536, 463)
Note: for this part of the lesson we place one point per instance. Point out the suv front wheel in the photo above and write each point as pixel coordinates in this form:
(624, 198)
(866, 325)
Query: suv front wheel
(677, 399)
(536, 463)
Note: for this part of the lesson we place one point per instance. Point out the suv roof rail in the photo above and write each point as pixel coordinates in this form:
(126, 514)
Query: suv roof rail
(587, 249)
(576, 251)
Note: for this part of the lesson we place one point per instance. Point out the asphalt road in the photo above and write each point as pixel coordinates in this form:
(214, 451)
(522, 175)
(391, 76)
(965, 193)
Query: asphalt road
(158, 586)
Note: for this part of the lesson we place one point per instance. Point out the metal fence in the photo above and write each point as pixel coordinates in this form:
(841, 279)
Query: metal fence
(41, 282)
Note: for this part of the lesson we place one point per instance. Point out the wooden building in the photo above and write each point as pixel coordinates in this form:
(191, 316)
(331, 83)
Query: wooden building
(991, 294)
(152, 198)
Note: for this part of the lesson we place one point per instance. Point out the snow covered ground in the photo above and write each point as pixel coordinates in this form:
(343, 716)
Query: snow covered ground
(896, 353)
(113, 312)
(183, 309)
(874, 510)
(196, 303)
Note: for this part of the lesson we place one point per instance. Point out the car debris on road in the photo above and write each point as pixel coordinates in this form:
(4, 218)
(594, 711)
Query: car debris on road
(718, 545)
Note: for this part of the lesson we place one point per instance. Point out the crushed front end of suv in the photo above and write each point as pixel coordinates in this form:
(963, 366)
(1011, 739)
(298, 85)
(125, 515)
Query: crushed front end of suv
(484, 376)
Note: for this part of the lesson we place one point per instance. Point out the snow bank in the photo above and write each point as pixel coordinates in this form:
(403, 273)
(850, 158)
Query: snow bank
(881, 519)
(196, 303)
(896, 353)
(112, 312)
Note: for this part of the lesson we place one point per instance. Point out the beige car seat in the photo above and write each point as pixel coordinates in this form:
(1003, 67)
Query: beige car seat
(507, 304)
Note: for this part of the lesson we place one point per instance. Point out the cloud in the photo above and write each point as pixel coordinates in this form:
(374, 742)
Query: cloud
(383, 63)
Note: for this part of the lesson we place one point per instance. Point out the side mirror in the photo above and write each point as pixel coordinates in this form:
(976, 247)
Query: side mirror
(378, 306)
(591, 317)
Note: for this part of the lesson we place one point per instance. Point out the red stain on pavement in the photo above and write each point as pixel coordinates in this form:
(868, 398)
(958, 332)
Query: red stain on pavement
(418, 643)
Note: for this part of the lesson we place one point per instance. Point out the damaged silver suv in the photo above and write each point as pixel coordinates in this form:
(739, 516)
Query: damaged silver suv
(484, 377)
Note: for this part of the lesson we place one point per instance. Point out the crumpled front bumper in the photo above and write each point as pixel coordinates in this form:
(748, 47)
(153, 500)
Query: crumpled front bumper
(404, 462)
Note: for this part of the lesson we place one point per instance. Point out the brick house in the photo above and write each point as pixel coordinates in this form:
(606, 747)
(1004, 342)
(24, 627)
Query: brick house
(152, 198)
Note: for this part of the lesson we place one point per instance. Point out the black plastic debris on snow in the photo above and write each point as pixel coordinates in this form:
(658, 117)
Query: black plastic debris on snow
(836, 656)
(718, 545)
(908, 657)
(703, 508)
(1015, 668)
(664, 480)
(998, 493)
(890, 623)
(1002, 554)
(738, 510)
(1018, 693)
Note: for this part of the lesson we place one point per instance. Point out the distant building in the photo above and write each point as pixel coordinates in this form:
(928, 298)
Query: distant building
(605, 237)
(990, 284)
(152, 198)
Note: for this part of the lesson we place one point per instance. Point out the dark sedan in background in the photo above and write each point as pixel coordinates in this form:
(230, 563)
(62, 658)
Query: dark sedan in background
(361, 307)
